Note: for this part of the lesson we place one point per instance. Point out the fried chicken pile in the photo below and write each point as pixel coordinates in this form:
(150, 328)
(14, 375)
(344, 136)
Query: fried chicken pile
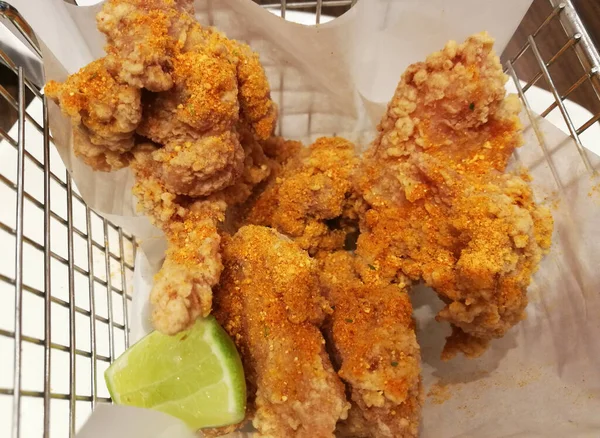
(308, 255)
(187, 109)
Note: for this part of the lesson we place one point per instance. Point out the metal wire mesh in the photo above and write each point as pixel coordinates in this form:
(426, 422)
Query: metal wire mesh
(577, 43)
(55, 339)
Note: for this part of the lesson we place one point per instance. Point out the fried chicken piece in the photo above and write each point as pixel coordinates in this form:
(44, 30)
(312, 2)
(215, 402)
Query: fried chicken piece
(257, 108)
(205, 85)
(257, 167)
(210, 106)
(197, 119)
(307, 198)
(437, 207)
(142, 37)
(475, 239)
(452, 107)
(372, 340)
(269, 301)
(104, 113)
(182, 289)
(281, 150)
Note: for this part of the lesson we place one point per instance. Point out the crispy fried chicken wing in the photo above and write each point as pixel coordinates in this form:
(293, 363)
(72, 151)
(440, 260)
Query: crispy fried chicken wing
(476, 239)
(104, 113)
(438, 208)
(182, 289)
(309, 194)
(373, 345)
(269, 301)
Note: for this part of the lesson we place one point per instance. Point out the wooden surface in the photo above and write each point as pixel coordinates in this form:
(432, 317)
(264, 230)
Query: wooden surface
(567, 69)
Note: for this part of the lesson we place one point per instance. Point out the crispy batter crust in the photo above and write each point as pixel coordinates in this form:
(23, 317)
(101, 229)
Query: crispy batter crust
(269, 302)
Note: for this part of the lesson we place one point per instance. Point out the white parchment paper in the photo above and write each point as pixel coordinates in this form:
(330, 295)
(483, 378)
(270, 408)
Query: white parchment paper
(543, 377)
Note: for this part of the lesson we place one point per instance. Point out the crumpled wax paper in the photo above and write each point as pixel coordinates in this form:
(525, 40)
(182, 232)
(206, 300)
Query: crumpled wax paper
(543, 377)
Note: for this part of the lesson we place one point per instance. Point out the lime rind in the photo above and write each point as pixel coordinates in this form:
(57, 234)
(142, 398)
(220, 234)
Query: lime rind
(234, 369)
(207, 388)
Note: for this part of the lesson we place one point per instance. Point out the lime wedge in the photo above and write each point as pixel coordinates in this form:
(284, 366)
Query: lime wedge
(196, 376)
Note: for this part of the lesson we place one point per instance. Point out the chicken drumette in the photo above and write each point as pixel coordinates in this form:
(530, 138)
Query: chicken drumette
(269, 302)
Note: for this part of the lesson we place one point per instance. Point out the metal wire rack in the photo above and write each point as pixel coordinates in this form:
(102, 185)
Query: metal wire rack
(56, 343)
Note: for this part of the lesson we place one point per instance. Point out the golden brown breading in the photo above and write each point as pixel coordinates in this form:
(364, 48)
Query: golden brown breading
(183, 287)
(142, 36)
(281, 150)
(205, 85)
(438, 208)
(476, 239)
(201, 167)
(257, 108)
(452, 107)
(196, 120)
(268, 300)
(257, 167)
(372, 338)
(104, 114)
(308, 193)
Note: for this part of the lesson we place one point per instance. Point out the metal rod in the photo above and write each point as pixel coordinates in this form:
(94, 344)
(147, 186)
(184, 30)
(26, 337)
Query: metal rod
(283, 8)
(306, 5)
(62, 303)
(47, 274)
(572, 88)
(8, 138)
(586, 50)
(4, 58)
(111, 341)
(573, 24)
(549, 18)
(72, 329)
(124, 288)
(531, 116)
(54, 346)
(90, 250)
(14, 104)
(570, 43)
(589, 123)
(561, 105)
(10, 13)
(318, 14)
(54, 396)
(16, 433)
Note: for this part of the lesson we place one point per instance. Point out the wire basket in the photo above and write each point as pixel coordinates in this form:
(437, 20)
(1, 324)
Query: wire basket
(55, 344)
